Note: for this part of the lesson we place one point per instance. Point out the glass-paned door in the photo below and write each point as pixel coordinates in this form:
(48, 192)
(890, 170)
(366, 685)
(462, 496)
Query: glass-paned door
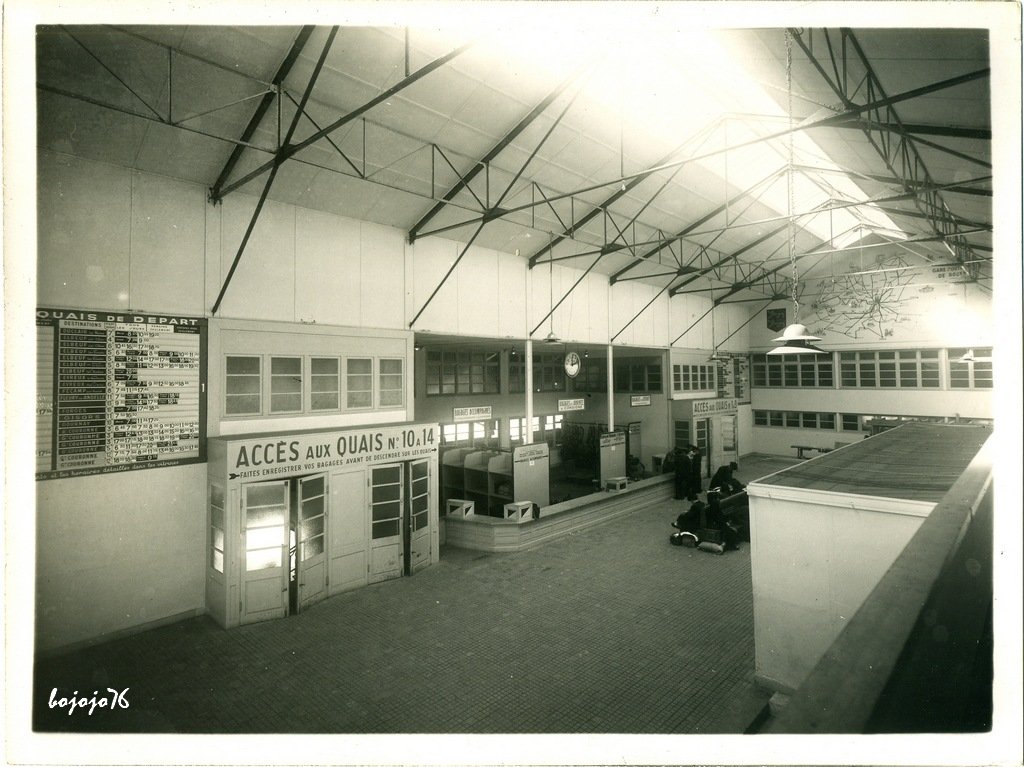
(386, 548)
(265, 543)
(702, 439)
(312, 554)
(418, 492)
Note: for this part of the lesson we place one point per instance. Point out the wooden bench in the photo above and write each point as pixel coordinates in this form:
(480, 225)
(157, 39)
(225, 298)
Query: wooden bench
(801, 448)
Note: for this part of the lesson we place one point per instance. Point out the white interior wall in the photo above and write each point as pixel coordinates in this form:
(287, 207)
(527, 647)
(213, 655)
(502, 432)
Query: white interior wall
(814, 559)
(113, 238)
(117, 551)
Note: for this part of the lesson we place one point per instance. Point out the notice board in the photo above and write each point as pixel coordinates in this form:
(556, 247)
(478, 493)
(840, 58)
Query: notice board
(118, 391)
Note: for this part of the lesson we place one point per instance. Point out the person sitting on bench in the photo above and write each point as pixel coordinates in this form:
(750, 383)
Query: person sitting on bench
(725, 481)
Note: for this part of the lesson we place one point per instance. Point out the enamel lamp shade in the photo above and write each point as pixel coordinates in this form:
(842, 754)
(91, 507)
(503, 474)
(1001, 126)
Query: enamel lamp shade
(796, 339)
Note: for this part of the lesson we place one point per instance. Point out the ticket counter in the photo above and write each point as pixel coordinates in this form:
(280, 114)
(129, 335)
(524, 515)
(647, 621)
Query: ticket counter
(296, 517)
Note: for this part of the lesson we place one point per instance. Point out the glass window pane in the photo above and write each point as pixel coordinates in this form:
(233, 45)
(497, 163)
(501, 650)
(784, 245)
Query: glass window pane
(983, 375)
(385, 493)
(760, 418)
(311, 528)
(217, 538)
(324, 402)
(887, 373)
(242, 365)
(312, 548)
(324, 366)
(825, 374)
(313, 507)
(809, 420)
(826, 420)
(792, 419)
(263, 537)
(390, 510)
(262, 559)
(217, 560)
(285, 366)
(959, 375)
(385, 529)
(775, 417)
(265, 495)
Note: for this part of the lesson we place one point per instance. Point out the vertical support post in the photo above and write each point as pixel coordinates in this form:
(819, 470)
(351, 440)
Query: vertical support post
(528, 436)
(611, 390)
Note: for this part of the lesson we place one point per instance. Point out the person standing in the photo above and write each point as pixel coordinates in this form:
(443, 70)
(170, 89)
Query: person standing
(695, 473)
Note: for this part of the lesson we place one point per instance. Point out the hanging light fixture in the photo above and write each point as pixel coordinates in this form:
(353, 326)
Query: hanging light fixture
(716, 356)
(796, 338)
(551, 338)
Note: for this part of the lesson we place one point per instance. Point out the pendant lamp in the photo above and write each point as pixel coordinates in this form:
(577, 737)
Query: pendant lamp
(551, 338)
(796, 338)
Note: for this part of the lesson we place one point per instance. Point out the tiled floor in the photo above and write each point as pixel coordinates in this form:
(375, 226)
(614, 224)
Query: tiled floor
(609, 630)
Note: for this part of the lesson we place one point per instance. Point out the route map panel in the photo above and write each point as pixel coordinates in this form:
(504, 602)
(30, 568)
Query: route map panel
(118, 391)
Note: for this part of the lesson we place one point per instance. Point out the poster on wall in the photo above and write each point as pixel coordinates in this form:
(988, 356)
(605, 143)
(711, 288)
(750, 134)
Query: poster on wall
(118, 391)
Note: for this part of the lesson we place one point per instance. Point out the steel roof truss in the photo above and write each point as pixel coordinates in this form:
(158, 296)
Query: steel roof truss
(278, 160)
(261, 109)
(897, 150)
(509, 137)
(289, 150)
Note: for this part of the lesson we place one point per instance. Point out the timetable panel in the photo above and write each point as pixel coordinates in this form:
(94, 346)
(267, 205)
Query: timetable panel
(116, 391)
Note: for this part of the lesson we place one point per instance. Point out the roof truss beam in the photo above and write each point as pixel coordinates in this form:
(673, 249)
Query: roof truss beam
(288, 149)
(276, 165)
(497, 149)
(261, 110)
(852, 72)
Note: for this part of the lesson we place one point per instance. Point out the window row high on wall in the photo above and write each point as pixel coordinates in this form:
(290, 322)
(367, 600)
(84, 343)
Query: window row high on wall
(895, 369)
(453, 372)
(845, 422)
(283, 384)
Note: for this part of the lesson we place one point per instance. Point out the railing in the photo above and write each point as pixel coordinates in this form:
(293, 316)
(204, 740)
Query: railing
(917, 656)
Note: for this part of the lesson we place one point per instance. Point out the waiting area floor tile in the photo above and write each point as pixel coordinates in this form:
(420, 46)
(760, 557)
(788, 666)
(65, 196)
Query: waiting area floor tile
(608, 630)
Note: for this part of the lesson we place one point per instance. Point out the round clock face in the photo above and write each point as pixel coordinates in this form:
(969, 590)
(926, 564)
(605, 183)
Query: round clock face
(572, 364)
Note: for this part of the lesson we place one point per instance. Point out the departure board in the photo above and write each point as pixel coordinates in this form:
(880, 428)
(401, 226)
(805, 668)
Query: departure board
(117, 392)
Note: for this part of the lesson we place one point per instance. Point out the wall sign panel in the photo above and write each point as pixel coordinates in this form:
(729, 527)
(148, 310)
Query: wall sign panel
(117, 391)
